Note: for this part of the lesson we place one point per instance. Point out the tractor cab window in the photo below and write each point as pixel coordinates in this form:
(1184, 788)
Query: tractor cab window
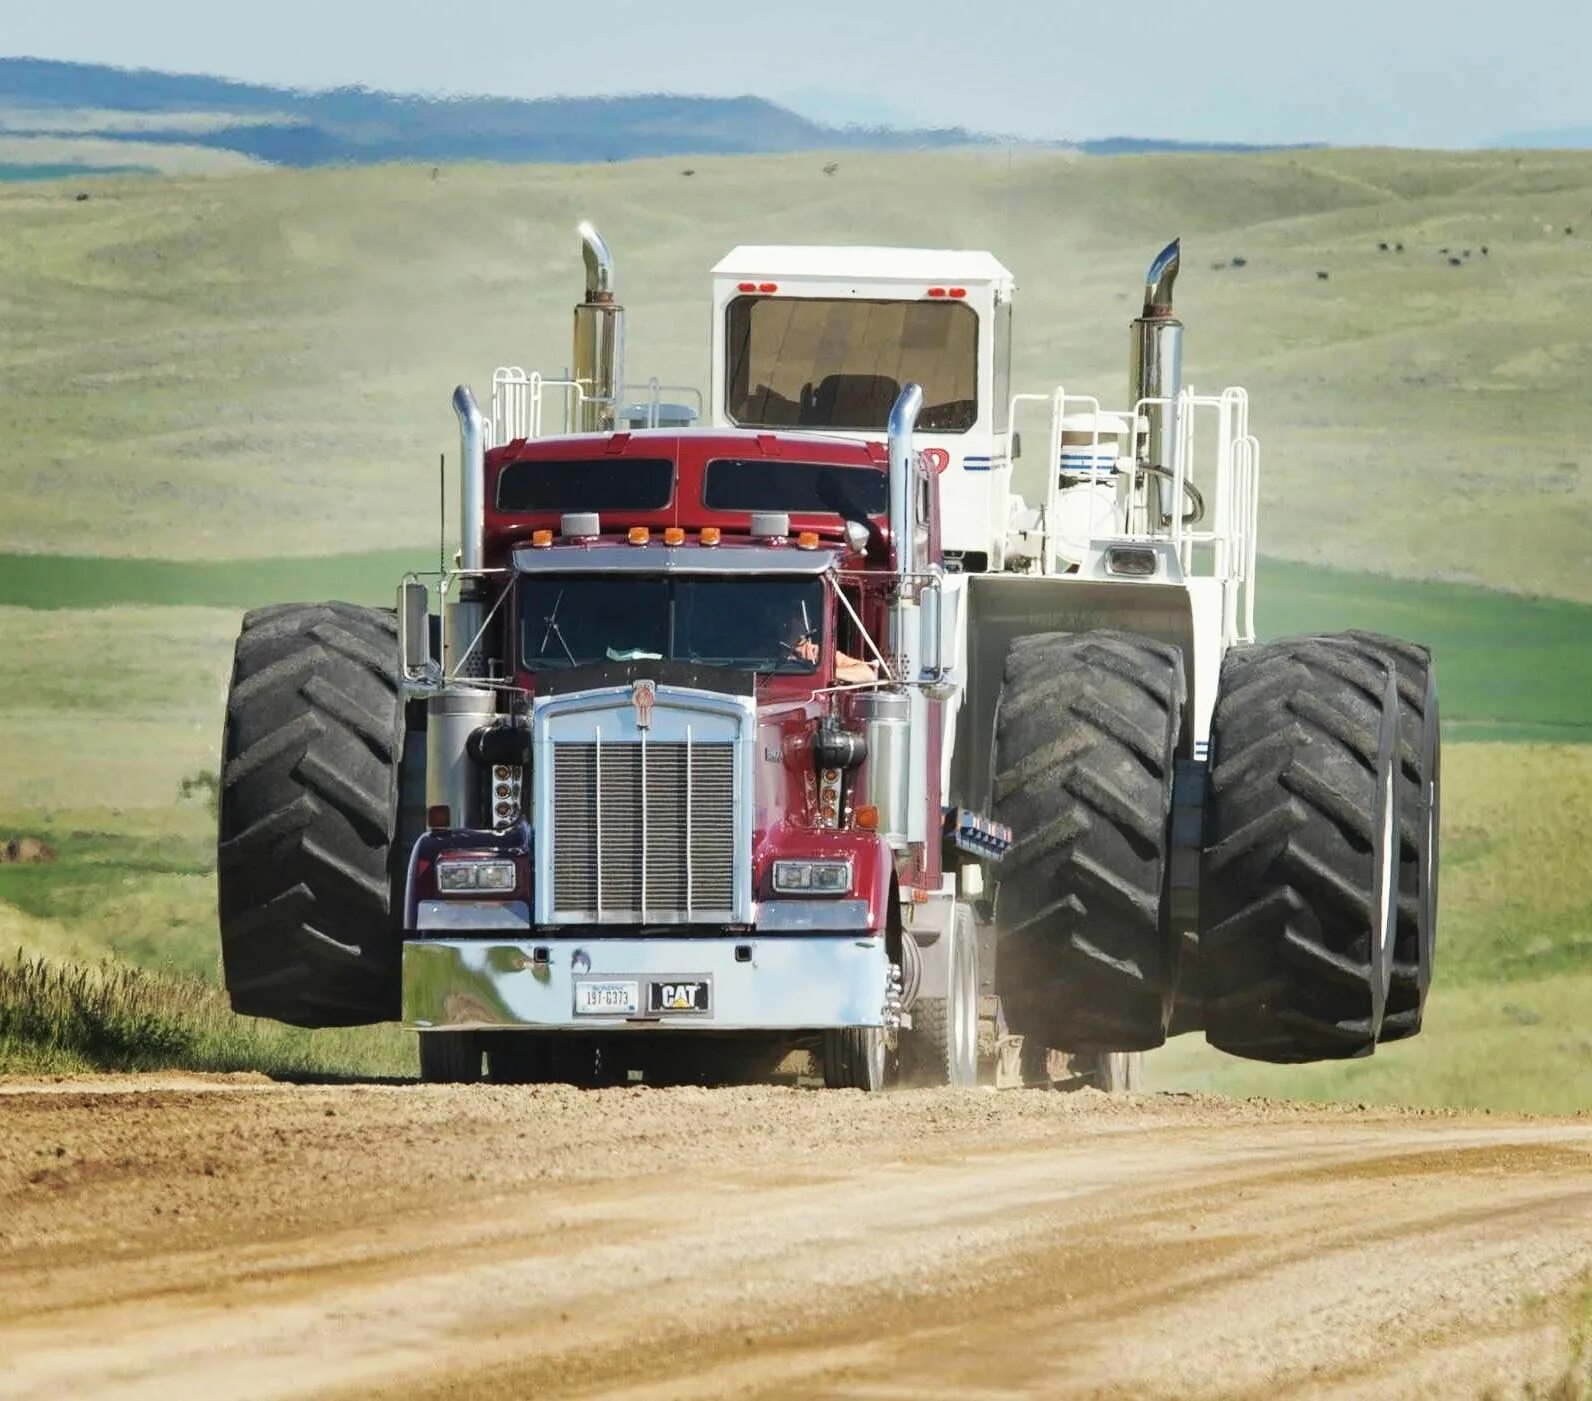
(813, 362)
(765, 625)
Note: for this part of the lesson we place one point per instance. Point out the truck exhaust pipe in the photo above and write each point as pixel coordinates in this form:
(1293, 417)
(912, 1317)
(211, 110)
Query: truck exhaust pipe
(472, 477)
(1156, 362)
(903, 423)
(599, 344)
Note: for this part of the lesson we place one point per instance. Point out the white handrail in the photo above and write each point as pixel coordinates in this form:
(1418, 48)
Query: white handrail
(1227, 480)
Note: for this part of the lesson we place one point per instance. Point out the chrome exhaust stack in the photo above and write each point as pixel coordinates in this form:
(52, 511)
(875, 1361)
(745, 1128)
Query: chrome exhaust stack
(903, 528)
(459, 708)
(599, 344)
(472, 477)
(1156, 362)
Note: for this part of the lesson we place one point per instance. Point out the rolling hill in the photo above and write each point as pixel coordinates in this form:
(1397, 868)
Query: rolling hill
(261, 365)
(42, 98)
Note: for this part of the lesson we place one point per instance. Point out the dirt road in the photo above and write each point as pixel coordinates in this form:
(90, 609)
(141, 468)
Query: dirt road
(226, 1238)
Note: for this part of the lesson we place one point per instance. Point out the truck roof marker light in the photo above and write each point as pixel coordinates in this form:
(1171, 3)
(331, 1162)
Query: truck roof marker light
(439, 817)
(766, 287)
(639, 535)
(541, 539)
(866, 816)
(746, 286)
(956, 291)
(936, 291)
(710, 535)
(673, 535)
(807, 540)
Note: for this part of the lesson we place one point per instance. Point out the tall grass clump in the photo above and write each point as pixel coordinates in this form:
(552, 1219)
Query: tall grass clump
(60, 1016)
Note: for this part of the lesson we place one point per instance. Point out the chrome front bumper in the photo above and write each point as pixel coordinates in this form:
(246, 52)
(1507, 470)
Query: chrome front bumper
(786, 983)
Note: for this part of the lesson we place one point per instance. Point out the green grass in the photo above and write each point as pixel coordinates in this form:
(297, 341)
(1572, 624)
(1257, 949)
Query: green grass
(97, 581)
(1508, 667)
(260, 365)
(58, 1018)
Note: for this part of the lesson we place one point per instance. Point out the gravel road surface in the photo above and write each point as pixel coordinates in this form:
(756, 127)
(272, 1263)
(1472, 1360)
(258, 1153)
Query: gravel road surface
(171, 1237)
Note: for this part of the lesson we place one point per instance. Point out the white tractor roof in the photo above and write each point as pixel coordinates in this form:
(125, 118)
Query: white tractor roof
(833, 263)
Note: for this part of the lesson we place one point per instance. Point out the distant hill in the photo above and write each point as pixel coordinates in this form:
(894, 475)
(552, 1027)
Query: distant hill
(151, 114)
(1565, 138)
(361, 126)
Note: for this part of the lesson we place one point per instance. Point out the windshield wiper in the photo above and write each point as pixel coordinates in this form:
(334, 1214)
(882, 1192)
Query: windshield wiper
(553, 630)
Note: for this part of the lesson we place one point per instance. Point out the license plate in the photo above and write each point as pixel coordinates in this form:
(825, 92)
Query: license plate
(607, 999)
(679, 995)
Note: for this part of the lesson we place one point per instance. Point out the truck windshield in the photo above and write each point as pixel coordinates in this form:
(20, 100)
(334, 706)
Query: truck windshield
(814, 362)
(763, 625)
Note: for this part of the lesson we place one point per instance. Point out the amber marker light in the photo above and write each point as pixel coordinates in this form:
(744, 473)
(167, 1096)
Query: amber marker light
(639, 535)
(807, 540)
(541, 539)
(673, 535)
(710, 535)
(866, 817)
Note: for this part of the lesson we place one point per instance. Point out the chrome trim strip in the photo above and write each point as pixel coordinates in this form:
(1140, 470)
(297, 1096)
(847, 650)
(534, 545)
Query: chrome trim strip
(815, 913)
(467, 915)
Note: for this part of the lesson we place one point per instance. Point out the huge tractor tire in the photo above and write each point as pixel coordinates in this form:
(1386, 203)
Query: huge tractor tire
(1421, 759)
(308, 870)
(1085, 735)
(1299, 884)
(942, 1047)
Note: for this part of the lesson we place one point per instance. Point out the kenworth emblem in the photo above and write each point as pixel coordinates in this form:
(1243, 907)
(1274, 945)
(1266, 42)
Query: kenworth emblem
(642, 695)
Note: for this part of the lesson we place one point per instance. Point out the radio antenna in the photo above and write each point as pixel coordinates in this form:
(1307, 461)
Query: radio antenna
(442, 513)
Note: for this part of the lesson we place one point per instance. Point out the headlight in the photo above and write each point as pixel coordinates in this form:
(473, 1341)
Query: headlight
(455, 876)
(812, 877)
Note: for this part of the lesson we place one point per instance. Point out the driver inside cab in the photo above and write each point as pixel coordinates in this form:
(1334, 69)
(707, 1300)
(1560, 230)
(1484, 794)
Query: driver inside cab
(801, 641)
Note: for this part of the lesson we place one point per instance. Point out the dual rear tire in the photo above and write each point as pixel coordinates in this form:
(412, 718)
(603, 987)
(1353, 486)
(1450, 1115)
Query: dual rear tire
(1300, 879)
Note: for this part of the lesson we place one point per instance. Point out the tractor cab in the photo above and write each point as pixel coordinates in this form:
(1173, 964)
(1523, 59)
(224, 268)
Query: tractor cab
(823, 339)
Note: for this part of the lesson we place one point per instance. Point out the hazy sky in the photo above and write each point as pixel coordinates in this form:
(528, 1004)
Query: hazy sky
(1409, 72)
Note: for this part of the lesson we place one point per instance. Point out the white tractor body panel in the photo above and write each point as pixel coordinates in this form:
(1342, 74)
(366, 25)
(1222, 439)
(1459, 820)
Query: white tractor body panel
(974, 466)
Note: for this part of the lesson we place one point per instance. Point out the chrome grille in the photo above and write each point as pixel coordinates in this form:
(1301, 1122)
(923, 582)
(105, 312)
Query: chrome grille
(644, 829)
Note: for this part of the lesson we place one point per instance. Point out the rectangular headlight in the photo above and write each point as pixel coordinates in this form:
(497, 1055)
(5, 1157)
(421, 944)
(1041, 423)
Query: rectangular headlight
(812, 877)
(456, 876)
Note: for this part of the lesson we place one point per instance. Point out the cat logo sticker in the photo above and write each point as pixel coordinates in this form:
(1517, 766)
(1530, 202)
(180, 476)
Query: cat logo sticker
(683, 995)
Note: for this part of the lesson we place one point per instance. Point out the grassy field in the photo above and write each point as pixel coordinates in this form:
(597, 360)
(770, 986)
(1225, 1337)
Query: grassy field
(260, 365)
(231, 392)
